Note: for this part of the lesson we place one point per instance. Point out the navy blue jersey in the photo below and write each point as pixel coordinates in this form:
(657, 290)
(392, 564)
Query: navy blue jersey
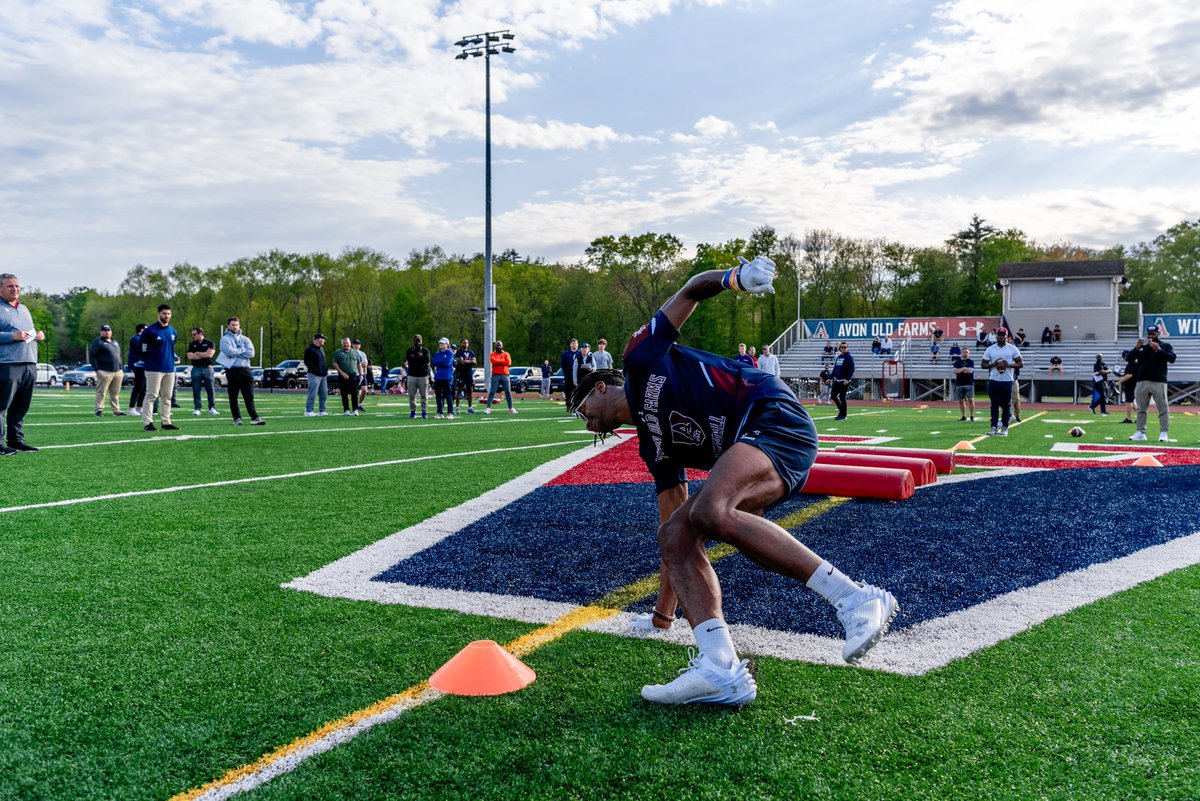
(158, 348)
(689, 406)
(843, 367)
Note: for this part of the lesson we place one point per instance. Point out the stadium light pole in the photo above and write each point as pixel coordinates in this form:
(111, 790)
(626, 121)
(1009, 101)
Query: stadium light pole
(486, 45)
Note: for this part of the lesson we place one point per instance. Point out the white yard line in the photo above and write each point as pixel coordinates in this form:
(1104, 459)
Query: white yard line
(277, 477)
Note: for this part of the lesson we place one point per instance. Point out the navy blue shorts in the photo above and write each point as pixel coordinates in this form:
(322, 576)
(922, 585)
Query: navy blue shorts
(783, 430)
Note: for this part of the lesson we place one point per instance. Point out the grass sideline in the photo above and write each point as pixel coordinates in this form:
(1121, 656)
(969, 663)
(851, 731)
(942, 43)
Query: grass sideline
(149, 648)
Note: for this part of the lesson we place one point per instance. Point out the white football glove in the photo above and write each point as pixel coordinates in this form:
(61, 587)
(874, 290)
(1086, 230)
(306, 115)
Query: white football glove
(756, 276)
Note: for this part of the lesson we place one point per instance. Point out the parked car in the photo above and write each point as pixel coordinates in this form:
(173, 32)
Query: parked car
(290, 374)
(257, 373)
(84, 374)
(183, 375)
(219, 377)
(524, 379)
(477, 384)
(557, 382)
(47, 375)
(393, 377)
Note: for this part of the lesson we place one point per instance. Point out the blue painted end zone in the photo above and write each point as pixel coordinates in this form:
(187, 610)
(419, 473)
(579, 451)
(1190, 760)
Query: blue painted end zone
(946, 549)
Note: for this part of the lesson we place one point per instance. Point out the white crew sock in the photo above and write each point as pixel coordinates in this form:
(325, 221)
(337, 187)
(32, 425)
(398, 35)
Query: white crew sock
(831, 584)
(715, 643)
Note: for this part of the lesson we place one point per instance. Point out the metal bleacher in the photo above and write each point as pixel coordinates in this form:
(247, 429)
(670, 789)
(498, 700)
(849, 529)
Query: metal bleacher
(802, 361)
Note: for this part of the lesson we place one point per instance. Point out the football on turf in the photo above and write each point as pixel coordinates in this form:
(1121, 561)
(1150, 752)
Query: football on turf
(1076, 432)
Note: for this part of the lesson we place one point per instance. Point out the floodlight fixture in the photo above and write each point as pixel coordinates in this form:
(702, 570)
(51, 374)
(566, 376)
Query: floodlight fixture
(474, 46)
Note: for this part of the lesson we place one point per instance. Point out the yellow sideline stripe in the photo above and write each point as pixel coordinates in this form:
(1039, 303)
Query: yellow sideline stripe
(421, 693)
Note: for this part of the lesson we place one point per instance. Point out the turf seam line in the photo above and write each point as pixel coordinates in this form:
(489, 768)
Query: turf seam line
(300, 474)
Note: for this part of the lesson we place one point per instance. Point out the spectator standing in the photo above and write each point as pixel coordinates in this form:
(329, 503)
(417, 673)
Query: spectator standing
(547, 374)
(1047, 336)
(501, 361)
(135, 364)
(569, 362)
(318, 377)
(18, 364)
(200, 353)
(1055, 365)
(465, 363)
(843, 374)
(443, 378)
(346, 362)
(825, 385)
(1100, 373)
(364, 375)
(104, 355)
(769, 362)
(586, 363)
(158, 352)
(237, 350)
(742, 356)
(1152, 360)
(997, 359)
(601, 356)
(964, 385)
(754, 355)
(416, 361)
(1127, 383)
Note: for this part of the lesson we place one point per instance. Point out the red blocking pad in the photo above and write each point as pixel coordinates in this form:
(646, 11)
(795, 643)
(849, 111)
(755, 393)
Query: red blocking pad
(884, 483)
(922, 470)
(942, 460)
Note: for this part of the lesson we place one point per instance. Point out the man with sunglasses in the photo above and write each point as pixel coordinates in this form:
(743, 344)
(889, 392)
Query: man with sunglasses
(843, 373)
(745, 426)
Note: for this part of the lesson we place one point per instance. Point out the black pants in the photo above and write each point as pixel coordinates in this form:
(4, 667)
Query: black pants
(138, 393)
(568, 389)
(1099, 396)
(241, 380)
(348, 389)
(441, 388)
(465, 384)
(838, 395)
(1000, 393)
(16, 393)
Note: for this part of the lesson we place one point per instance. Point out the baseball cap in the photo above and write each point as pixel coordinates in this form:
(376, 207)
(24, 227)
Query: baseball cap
(106, 327)
(444, 341)
(1152, 329)
(1124, 354)
(1002, 330)
(356, 342)
(318, 335)
(585, 345)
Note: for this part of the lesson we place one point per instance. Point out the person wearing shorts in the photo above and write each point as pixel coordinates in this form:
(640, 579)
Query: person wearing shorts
(694, 409)
(964, 385)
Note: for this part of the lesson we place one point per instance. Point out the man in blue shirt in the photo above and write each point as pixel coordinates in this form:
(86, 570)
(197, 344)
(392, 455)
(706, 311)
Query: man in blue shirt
(843, 373)
(696, 409)
(157, 345)
(137, 367)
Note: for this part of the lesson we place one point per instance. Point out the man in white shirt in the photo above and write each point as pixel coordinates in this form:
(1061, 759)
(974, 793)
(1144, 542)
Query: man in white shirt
(999, 359)
(769, 362)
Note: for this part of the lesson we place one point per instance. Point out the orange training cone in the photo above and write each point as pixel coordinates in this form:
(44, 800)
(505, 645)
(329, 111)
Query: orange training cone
(1147, 461)
(963, 445)
(482, 668)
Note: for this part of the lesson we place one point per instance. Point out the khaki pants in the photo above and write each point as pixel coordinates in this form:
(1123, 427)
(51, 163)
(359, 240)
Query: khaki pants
(1144, 391)
(109, 384)
(160, 387)
(417, 386)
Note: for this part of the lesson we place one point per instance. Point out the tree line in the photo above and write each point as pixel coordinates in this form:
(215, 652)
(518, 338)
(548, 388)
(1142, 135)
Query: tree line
(283, 298)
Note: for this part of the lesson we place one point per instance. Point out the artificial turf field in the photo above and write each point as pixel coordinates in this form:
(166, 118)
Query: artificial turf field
(148, 647)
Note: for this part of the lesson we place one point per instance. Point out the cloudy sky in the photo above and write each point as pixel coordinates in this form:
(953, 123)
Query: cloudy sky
(139, 131)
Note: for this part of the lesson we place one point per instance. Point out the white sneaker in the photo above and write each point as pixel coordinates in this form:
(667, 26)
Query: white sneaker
(355, 412)
(488, 410)
(512, 411)
(644, 623)
(1002, 432)
(310, 414)
(449, 417)
(702, 682)
(237, 421)
(347, 414)
(213, 412)
(1162, 437)
(437, 417)
(866, 616)
(322, 414)
(196, 413)
(1138, 436)
(992, 431)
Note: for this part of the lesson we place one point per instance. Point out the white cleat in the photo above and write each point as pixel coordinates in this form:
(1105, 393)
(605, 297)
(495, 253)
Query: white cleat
(1138, 436)
(213, 412)
(702, 682)
(866, 616)
(449, 417)
(1163, 437)
(487, 410)
(310, 414)
(512, 411)
(196, 413)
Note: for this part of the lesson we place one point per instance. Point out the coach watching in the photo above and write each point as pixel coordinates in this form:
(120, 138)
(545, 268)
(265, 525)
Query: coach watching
(104, 355)
(318, 377)
(158, 351)
(18, 364)
(843, 373)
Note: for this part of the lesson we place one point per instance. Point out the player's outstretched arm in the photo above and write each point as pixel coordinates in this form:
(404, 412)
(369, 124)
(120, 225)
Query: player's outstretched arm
(749, 276)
